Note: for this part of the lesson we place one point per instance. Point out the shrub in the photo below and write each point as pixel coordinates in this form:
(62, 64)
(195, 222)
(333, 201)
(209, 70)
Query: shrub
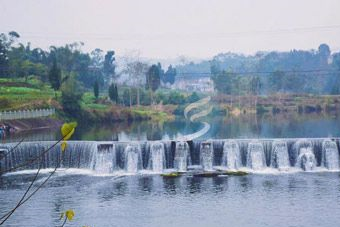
(193, 97)
(4, 102)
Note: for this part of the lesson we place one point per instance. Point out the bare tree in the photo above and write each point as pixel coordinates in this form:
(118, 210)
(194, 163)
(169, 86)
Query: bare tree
(135, 70)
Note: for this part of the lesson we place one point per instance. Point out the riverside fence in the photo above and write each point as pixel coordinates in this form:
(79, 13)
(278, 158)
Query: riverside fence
(24, 114)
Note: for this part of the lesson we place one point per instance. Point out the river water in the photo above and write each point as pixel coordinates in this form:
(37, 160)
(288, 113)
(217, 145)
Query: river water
(279, 126)
(296, 200)
(145, 199)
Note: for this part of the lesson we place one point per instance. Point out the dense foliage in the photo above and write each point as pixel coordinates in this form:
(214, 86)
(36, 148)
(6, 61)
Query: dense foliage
(296, 71)
(19, 60)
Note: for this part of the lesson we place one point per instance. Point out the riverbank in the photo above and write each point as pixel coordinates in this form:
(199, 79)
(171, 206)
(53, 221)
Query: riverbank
(277, 104)
(18, 94)
(21, 125)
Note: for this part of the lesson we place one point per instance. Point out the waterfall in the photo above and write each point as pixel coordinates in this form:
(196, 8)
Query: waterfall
(231, 155)
(306, 159)
(78, 154)
(133, 158)
(105, 158)
(279, 156)
(181, 156)
(157, 157)
(207, 156)
(255, 156)
(330, 155)
(298, 145)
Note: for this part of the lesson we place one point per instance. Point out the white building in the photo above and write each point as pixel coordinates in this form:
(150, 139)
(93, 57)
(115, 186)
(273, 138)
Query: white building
(198, 84)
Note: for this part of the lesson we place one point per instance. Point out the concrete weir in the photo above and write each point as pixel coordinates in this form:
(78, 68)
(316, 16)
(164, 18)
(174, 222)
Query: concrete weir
(107, 157)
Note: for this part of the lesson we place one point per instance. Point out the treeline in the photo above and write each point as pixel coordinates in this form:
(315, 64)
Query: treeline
(18, 60)
(296, 71)
(129, 97)
(72, 72)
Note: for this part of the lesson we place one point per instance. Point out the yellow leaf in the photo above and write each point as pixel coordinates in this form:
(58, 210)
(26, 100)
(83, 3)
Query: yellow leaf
(63, 146)
(69, 214)
(67, 130)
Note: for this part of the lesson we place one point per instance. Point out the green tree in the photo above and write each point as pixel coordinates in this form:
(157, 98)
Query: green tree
(55, 77)
(170, 75)
(255, 88)
(193, 98)
(96, 89)
(223, 82)
(176, 98)
(3, 56)
(277, 83)
(71, 96)
(335, 87)
(113, 93)
(109, 66)
(153, 79)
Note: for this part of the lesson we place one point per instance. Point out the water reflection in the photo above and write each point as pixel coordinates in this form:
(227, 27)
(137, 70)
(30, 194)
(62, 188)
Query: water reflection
(278, 126)
(245, 126)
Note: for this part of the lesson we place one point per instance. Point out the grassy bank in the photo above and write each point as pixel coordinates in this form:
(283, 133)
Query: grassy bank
(18, 94)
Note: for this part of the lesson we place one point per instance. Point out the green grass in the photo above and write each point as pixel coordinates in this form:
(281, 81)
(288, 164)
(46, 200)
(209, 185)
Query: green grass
(20, 94)
(155, 115)
(96, 106)
(16, 94)
(89, 102)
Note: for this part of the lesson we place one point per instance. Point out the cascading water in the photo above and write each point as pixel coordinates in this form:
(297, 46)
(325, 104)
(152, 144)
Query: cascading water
(231, 157)
(279, 155)
(181, 156)
(108, 157)
(105, 158)
(157, 157)
(330, 155)
(78, 154)
(306, 159)
(298, 145)
(305, 156)
(255, 156)
(207, 155)
(133, 158)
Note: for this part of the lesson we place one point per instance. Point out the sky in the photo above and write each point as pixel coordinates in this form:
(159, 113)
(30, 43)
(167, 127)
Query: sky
(163, 29)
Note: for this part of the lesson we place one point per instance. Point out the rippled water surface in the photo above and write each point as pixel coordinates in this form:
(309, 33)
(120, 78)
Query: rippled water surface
(299, 199)
(279, 126)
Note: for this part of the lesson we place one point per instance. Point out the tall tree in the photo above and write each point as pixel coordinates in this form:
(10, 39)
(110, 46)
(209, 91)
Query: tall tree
(161, 71)
(55, 77)
(335, 87)
(223, 82)
(153, 79)
(255, 87)
(113, 93)
(96, 89)
(136, 71)
(277, 82)
(170, 75)
(71, 95)
(3, 56)
(6, 42)
(109, 66)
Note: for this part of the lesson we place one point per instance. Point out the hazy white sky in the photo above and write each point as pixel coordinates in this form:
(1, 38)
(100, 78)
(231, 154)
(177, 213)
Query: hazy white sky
(170, 28)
